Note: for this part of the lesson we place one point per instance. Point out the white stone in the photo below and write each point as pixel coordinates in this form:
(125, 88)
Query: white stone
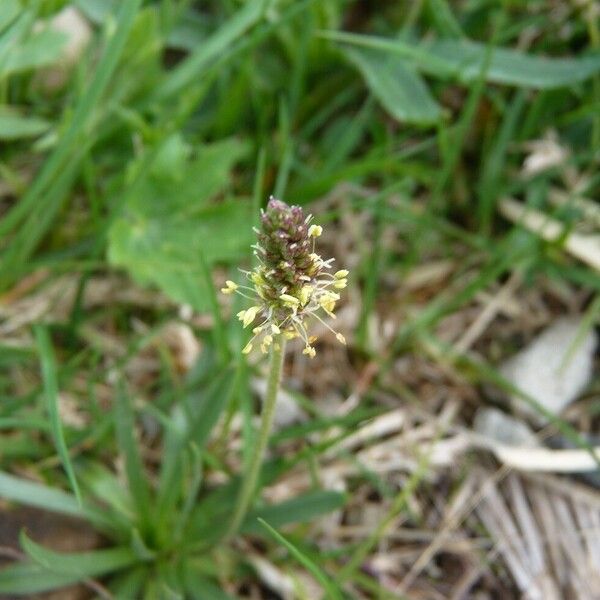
(287, 411)
(502, 428)
(554, 368)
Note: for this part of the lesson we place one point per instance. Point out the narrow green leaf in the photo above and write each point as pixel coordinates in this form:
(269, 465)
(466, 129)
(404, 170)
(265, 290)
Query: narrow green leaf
(51, 393)
(14, 127)
(464, 59)
(300, 509)
(38, 495)
(78, 564)
(199, 587)
(512, 67)
(30, 493)
(331, 590)
(104, 485)
(396, 84)
(444, 19)
(210, 406)
(136, 477)
(129, 583)
(51, 570)
(190, 69)
(24, 579)
(65, 153)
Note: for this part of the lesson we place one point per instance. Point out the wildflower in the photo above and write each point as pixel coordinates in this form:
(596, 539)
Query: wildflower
(292, 284)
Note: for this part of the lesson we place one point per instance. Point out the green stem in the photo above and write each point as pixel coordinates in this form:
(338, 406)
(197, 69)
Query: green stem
(249, 482)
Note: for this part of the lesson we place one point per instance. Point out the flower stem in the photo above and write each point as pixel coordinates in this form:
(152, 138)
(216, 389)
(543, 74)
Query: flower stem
(246, 494)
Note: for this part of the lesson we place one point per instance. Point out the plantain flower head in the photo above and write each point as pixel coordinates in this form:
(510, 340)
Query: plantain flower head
(292, 284)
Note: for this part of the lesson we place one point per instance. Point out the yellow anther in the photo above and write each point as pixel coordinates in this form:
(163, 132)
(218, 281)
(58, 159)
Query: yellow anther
(340, 338)
(289, 299)
(340, 284)
(230, 287)
(305, 294)
(327, 301)
(247, 348)
(309, 351)
(275, 329)
(341, 274)
(247, 316)
(315, 231)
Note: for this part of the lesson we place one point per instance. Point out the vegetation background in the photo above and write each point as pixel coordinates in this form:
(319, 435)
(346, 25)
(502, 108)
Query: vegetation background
(434, 140)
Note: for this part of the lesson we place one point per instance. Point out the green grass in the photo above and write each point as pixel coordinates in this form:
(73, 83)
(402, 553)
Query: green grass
(400, 129)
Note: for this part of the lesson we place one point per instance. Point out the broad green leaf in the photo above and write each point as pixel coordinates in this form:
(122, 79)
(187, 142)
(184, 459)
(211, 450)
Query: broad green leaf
(13, 36)
(464, 59)
(10, 11)
(297, 510)
(14, 127)
(396, 84)
(39, 50)
(48, 364)
(168, 226)
(331, 590)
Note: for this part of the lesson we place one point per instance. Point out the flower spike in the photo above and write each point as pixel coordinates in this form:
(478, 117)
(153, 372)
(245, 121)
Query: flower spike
(291, 283)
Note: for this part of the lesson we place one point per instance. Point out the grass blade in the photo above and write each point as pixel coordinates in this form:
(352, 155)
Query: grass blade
(138, 484)
(48, 365)
(300, 509)
(68, 144)
(331, 591)
(189, 70)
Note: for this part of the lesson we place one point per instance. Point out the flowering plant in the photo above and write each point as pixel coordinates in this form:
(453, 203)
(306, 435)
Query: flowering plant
(290, 285)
